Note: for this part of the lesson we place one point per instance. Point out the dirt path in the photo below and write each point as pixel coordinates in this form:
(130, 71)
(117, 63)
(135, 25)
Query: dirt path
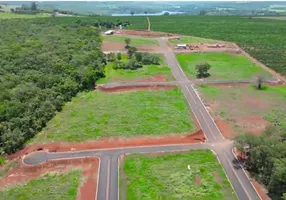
(149, 24)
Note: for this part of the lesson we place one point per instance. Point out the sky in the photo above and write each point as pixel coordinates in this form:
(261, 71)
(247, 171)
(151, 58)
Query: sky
(153, 0)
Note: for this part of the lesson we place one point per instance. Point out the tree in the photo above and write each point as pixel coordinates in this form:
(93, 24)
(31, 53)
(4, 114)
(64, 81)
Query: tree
(33, 6)
(145, 12)
(127, 42)
(131, 51)
(203, 12)
(259, 82)
(119, 56)
(132, 13)
(12, 10)
(166, 13)
(202, 70)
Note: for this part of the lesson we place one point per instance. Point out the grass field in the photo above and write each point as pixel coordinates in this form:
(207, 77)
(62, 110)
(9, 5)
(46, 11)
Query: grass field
(4, 15)
(149, 177)
(276, 17)
(134, 40)
(50, 186)
(224, 65)
(113, 75)
(246, 108)
(189, 40)
(92, 115)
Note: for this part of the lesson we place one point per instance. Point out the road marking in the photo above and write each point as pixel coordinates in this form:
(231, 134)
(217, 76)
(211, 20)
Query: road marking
(248, 196)
(190, 94)
(108, 180)
(207, 124)
(247, 175)
(98, 173)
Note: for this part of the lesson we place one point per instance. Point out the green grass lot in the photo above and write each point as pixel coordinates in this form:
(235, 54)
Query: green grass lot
(8, 15)
(237, 103)
(189, 40)
(50, 186)
(92, 115)
(134, 40)
(167, 176)
(224, 65)
(270, 17)
(113, 75)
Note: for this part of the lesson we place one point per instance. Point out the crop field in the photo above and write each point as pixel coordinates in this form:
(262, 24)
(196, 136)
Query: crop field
(134, 40)
(189, 40)
(224, 65)
(245, 108)
(268, 48)
(192, 175)
(50, 186)
(92, 115)
(147, 71)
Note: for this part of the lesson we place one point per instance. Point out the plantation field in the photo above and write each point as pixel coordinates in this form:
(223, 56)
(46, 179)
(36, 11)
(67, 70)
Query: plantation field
(166, 176)
(276, 18)
(50, 186)
(135, 41)
(268, 48)
(189, 40)
(147, 71)
(8, 15)
(245, 108)
(92, 115)
(223, 65)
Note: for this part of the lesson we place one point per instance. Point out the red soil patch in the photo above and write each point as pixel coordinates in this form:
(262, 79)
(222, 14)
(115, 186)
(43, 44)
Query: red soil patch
(196, 137)
(87, 190)
(260, 190)
(142, 33)
(225, 128)
(253, 124)
(198, 180)
(135, 88)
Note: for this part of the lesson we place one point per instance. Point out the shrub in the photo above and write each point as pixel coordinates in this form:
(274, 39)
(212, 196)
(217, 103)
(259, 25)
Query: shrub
(202, 70)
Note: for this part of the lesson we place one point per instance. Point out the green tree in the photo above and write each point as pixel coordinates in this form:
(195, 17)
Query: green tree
(203, 12)
(259, 82)
(33, 6)
(127, 42)
(131, 51)
(202, 70)
(119, 56)
(132, 13)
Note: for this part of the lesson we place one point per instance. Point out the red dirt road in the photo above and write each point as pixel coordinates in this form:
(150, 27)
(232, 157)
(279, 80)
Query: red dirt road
(89, 166)
(134, 88)
(196, 137)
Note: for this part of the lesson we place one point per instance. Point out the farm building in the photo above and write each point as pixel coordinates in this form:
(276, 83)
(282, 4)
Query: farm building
(181, 46)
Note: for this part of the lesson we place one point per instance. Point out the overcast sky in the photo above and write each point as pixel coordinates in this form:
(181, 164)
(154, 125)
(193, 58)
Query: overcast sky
(150, 0)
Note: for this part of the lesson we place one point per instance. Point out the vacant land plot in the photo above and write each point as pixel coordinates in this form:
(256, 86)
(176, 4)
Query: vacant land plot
(93, 115)
(189, 40)
(224, 66)
(147, 71)
(276, 18)
(4, 15)
(135, 41)
(245, 108)
(50, 186)
(191, 175)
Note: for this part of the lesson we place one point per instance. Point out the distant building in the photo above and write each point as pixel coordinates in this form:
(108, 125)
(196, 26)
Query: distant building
(110, 32)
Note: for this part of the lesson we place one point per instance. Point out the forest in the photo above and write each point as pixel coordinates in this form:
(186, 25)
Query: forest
(44, 63)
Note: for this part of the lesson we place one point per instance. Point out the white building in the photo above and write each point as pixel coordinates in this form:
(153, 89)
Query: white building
(110, 32)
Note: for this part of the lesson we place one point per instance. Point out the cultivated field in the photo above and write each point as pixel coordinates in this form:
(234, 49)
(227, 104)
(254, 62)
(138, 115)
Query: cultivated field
(50, 186)
(243, 108)
(4, 15)
(148, 72)
(192, 175)
(225, 66)
(95, 115)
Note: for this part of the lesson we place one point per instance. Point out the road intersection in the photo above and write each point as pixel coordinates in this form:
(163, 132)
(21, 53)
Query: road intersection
(109, 158)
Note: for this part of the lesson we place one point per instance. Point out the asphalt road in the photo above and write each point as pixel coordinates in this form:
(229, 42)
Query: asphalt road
(108, 177)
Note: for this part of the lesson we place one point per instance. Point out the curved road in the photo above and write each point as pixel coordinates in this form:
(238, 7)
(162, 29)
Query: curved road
(108, 177)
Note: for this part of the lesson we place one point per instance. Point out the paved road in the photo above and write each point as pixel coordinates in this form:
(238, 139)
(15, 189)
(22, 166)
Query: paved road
(108, 177)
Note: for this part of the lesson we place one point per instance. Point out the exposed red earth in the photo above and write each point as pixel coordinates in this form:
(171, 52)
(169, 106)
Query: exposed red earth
(134, 88)
(89, 167)
(196, 137)
(143, 33)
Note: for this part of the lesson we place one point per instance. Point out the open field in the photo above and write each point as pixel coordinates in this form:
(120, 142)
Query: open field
(4, 15)
(276, 17)
(244, 108)
(93, 115)
(224, 65)
(167, 176)
(189, 40)
(50, 186)
(146, 72)
(135, 41)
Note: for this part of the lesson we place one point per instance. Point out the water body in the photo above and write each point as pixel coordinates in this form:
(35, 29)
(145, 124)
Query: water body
(148, 14)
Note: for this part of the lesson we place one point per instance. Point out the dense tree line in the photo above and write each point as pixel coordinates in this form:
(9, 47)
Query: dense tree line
(266, 157)
(44, 63)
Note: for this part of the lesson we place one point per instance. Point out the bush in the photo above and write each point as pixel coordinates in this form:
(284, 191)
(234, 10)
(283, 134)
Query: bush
(202, 70)
(147, 58)
(2, 161)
